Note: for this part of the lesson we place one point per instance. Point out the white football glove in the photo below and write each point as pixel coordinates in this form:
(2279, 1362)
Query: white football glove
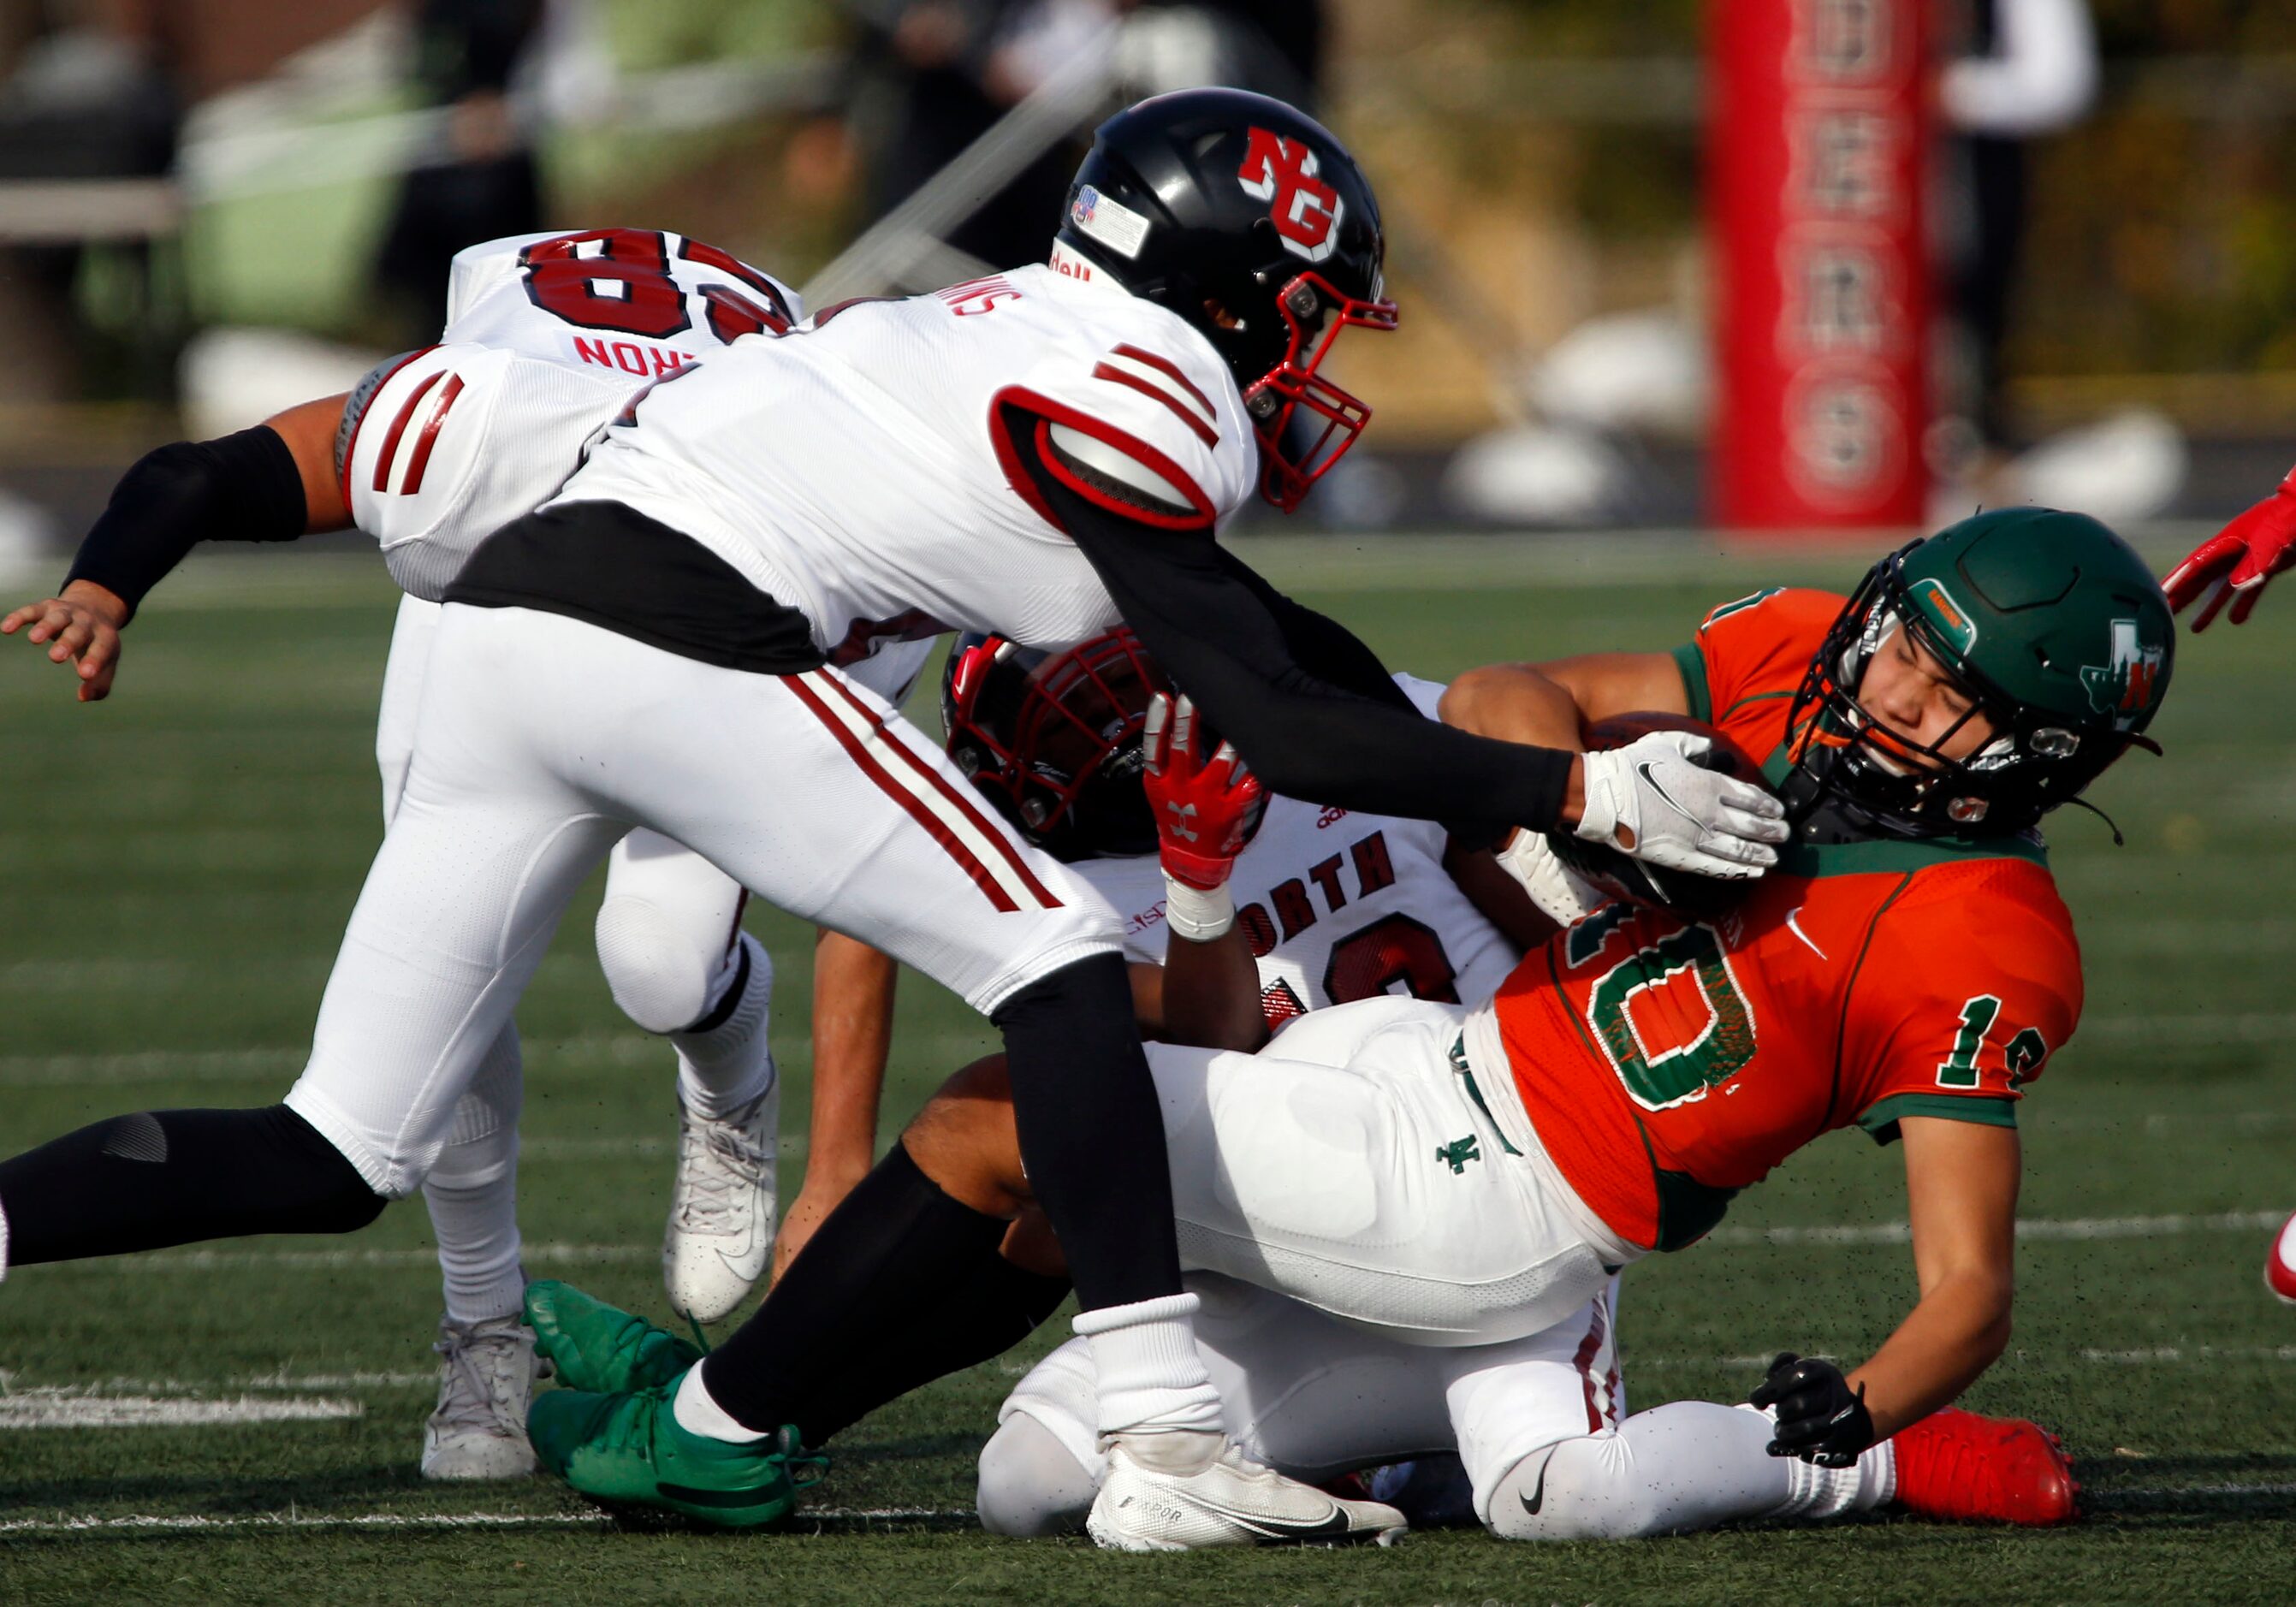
(1653, 800)
(1562, 894)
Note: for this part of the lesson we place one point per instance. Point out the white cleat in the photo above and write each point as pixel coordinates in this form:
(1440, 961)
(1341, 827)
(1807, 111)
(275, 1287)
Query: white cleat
(485, 1377)
(1184, 1496)
(721, 1212)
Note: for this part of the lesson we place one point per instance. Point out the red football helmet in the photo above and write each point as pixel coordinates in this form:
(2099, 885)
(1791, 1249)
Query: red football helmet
(1053, 740)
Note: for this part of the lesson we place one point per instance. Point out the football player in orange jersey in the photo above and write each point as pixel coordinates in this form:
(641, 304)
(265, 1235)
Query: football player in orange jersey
(1453, 1184)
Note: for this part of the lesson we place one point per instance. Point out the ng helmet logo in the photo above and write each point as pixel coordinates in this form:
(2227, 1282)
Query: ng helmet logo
(1306, 210)
(2124, 687)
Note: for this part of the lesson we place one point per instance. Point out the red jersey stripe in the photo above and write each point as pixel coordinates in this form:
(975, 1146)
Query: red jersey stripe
(1204, 432)
(424, 442)
(1165, 365)
(398, 428)
(966, 860)
(994, 831)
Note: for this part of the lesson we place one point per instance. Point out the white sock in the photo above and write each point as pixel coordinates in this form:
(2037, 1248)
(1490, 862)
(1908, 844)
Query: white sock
(1151, 1380)
(697, 1412)
(1673, 1470)
(1827, 1492)
(473, 1198)
(3, 1246)
(724, 1068)
(471, 1191)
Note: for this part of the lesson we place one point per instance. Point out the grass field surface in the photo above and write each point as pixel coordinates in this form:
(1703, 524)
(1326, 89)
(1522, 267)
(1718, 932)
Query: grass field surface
(241, 1421)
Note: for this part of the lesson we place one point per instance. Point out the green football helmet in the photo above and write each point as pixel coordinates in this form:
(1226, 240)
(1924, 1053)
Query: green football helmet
(2049, 623)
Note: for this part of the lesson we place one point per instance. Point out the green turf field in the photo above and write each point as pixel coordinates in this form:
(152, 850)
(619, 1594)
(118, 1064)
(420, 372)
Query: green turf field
(176, 867)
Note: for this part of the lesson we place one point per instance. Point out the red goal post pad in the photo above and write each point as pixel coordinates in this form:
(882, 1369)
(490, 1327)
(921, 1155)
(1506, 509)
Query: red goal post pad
(1818, 146)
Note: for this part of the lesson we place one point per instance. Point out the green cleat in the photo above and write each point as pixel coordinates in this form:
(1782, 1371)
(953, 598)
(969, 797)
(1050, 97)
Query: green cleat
(598, 1348)
(628, 1450)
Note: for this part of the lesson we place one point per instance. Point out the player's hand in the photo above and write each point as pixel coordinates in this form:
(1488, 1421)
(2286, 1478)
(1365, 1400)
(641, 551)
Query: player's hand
(1207, 803)
(82, 626)
(2233, 565)
(1655, 798)
(1819, 1418)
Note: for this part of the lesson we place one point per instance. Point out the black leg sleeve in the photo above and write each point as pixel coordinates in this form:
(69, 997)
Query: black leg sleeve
(887, 1256)
(1092, 1134)
(163, 1177)
(985, 1314)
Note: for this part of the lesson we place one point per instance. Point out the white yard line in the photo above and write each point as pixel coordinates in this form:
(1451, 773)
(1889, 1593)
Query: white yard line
(2178, 1355)
(2030, 1227)
(150, 1523)
(221, 1260)
(70, 1409)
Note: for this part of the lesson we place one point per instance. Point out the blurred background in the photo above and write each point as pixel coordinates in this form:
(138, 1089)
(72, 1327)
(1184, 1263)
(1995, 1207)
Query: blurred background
(2054, 258)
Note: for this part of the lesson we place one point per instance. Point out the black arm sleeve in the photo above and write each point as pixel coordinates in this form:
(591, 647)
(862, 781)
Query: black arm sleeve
(236, 487)
(1309, 707)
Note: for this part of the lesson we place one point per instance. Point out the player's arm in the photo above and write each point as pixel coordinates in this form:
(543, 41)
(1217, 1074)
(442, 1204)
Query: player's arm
(1207, 806)
(1961, 1185)
(1552, 704)
(853, 989)
(272, 483)
(1269, 673)
(1961, 1197)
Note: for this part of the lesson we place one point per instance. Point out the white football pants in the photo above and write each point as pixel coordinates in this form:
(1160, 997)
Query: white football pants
(540, 742)
(1351, 1166)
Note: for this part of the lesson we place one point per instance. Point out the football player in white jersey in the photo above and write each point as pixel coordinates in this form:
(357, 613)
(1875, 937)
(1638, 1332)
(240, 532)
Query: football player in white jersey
(1037, 454)
(548, 337)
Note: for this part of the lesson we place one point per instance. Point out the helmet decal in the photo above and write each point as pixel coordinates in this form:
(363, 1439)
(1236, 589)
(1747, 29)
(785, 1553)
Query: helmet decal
(1306, 210)
(2123, 688)
(1951, 620)
(1108, 220)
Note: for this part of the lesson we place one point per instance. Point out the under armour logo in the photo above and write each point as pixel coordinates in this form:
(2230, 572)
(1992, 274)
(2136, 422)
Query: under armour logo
(1306, 210)
(1178, 826)
(1458, 1153)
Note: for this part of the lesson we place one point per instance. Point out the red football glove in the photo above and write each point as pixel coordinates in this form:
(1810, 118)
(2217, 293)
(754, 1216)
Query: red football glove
(1207, 809)
(2244, 556)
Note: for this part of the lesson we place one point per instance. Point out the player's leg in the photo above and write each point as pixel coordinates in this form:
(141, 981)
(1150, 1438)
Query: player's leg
(827, 803)
(456, 912)
(1303, 1393)
(486, 1353)
(824, 802)
(486, 1362)
(1551, 1455)
(671, 944)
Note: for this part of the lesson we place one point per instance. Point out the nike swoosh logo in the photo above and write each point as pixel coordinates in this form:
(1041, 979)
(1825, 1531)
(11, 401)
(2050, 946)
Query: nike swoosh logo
(1332, 1527)
(1794, 926)
(1666, 797)
(1538, 1497)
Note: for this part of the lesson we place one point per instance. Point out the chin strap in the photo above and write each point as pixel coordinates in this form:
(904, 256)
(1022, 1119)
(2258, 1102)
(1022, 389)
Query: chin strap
(2118, 841)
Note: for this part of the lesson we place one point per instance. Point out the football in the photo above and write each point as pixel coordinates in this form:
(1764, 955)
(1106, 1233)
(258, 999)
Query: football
(1623, 876)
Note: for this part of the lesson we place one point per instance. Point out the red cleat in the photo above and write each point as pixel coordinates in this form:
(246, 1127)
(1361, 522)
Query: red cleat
(2280, 1266)
(1961, 1468)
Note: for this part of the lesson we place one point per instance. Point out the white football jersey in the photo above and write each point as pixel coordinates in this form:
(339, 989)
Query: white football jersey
(548, 337)
(855, 470)
(1338, 907)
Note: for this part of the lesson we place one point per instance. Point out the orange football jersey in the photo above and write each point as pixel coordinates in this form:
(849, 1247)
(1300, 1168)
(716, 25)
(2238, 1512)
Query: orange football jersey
(1668, 1065)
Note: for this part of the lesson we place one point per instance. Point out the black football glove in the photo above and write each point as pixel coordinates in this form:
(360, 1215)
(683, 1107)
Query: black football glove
(1818, 1418)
